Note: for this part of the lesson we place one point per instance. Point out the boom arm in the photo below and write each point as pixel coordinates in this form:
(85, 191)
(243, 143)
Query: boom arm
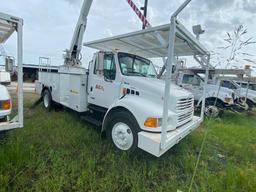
(72, 55)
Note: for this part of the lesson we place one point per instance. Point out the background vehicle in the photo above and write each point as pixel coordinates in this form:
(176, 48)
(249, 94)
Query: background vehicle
(244, 84)
(120, 91)
(217, 98)
(244, 94)
(5, 77)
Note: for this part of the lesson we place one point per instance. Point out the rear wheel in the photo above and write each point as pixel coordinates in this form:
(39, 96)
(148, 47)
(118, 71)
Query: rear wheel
(213, 110)
(122, 131)
(250, 104)
(47, 99)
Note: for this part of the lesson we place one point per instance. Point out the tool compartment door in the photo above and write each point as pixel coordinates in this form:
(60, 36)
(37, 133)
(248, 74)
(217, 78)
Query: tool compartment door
(78, 93)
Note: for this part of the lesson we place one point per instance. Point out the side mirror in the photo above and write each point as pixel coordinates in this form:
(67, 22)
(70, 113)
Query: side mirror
(9, 63)
(99, 63)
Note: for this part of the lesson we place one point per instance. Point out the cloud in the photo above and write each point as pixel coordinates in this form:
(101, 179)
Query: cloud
(49, 25)
(249, 6)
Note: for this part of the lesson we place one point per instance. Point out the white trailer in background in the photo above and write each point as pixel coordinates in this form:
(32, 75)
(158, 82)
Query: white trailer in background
(120, 91)
(8, 25)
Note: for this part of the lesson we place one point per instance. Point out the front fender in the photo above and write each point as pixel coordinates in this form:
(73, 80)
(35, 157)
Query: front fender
(141, 109)
(215, 94)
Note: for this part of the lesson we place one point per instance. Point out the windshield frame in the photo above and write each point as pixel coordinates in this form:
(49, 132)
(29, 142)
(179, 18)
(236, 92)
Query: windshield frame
(136, 57)
(236, 85)
(253, 86)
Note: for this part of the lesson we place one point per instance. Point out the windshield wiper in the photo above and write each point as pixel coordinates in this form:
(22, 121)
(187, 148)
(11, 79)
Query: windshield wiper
(134, 73)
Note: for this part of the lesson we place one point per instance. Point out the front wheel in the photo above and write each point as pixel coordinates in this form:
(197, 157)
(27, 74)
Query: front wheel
(122, 131)
(213, 110)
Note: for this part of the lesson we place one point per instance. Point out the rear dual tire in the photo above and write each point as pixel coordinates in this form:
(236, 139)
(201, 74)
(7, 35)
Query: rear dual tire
(47, 99)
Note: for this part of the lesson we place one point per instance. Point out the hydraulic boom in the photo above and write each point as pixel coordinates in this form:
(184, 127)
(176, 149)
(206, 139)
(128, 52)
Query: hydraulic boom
(72, 56)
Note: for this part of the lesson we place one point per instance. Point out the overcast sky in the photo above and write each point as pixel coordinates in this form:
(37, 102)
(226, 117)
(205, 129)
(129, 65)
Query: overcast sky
(48, 24)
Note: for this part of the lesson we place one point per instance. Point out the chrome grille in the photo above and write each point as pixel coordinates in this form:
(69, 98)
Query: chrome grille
(184, 104)
(185, 110)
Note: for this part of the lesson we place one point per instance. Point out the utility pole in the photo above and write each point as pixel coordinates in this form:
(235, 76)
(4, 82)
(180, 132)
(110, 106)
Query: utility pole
(145, 11)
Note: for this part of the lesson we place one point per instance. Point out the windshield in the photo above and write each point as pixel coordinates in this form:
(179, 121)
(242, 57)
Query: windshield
(244, 85)
(191, 79)
(132, 65)
(252, 87)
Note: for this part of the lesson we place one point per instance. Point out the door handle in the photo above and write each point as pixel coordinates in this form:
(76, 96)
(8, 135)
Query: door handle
(91, 89)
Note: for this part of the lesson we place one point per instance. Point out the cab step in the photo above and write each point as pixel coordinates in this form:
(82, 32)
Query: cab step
(90, 119)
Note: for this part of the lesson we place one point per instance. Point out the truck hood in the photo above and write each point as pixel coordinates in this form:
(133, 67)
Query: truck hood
(216, 88)
(4, 95)
(155, 87)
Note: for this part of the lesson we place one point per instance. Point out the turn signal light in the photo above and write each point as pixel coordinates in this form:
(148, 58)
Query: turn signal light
(5, 105)
(151, 122)
(124, 91)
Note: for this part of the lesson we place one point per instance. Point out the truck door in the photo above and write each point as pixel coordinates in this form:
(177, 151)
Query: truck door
(103, 87)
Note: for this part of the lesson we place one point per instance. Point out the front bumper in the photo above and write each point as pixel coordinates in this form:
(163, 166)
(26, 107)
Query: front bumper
(151, 142)
(4, 113)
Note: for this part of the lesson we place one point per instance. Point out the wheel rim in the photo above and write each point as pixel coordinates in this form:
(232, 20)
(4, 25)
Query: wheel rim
(46, 100)
(212, 111)
(122, 136)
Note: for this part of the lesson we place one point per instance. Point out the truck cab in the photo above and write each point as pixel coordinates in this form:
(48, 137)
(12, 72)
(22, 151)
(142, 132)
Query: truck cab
(224, 97)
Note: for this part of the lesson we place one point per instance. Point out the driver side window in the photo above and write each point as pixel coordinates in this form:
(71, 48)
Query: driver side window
(109, 67)
(227, 84)
(188, 79)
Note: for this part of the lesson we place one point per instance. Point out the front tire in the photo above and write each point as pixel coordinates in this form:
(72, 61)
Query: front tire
(213, 110)
(122, 131)
(47, 99)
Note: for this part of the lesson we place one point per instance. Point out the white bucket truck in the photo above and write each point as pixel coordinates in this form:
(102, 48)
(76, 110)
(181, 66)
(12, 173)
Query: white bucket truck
(8, 25)
(120, 91)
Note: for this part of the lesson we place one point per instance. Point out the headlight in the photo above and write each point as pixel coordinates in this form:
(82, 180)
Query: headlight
(153, 122)
(228, 99)
(5, 105)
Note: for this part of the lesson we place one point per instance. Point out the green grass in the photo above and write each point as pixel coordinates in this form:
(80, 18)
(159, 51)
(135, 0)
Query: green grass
(57, 152)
